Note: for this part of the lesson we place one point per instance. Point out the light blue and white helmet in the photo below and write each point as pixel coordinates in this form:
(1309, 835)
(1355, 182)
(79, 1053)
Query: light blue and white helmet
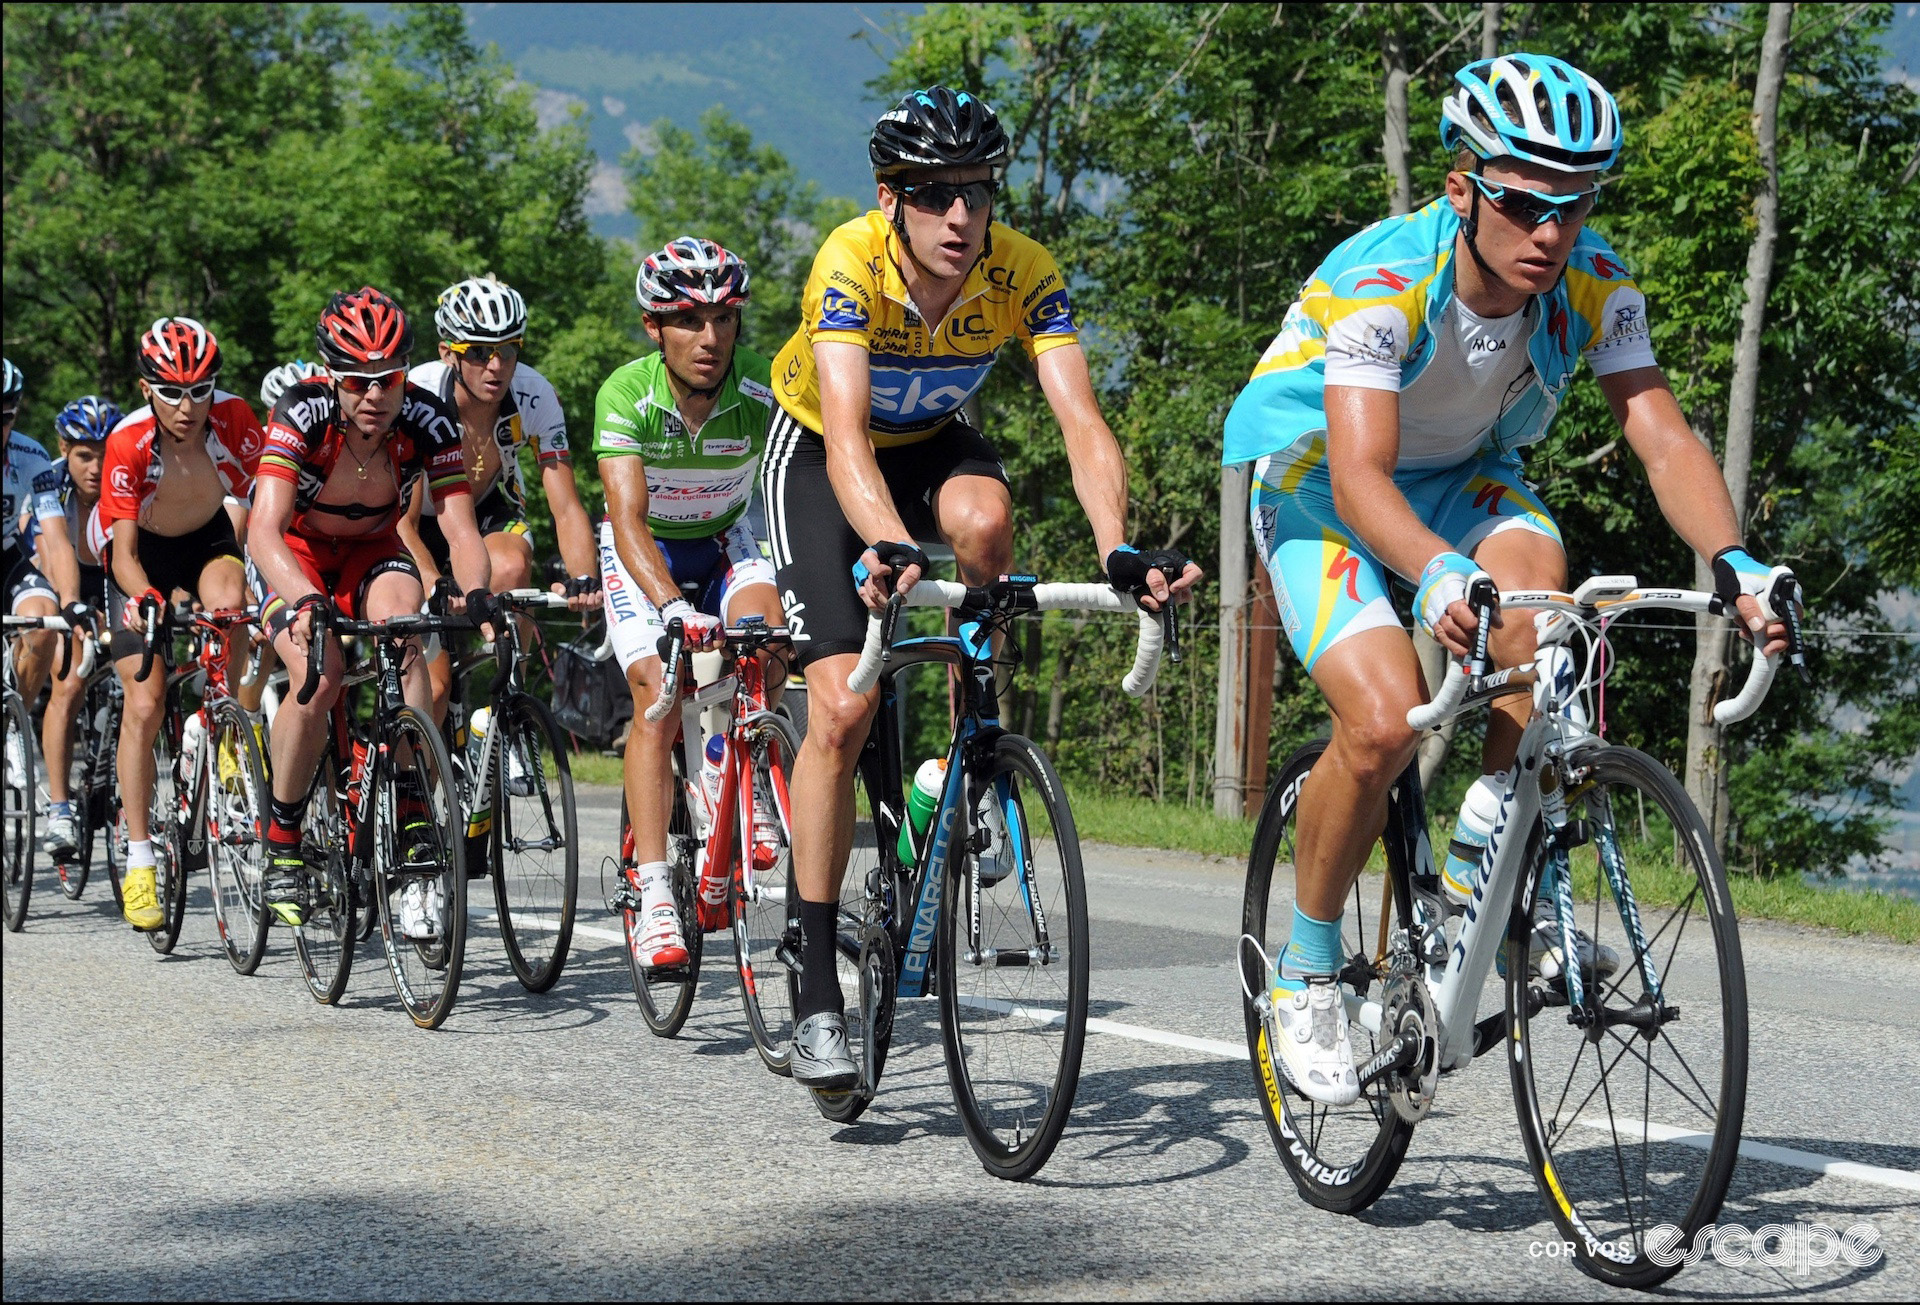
(1532, 107)
(275, 383)
(16, 383)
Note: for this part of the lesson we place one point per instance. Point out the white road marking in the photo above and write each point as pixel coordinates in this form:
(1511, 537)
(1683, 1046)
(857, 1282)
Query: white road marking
(1904, 1179)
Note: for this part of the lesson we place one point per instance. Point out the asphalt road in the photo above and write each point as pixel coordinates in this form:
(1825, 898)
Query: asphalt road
(173, 1130)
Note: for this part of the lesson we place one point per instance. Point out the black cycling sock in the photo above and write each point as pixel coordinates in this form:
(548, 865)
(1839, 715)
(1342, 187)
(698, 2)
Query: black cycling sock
(819, 960)
(283, 824)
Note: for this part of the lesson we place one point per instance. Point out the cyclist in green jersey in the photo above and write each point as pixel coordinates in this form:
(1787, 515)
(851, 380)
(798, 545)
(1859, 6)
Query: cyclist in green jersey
(679, 435)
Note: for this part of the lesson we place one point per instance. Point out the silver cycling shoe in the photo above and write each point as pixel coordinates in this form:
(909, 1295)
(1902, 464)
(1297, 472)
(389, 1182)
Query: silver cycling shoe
(822, 1058)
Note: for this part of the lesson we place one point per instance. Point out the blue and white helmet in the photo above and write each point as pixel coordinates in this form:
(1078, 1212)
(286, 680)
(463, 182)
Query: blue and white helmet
(1532, 107)
(87, 420)
(276, 382)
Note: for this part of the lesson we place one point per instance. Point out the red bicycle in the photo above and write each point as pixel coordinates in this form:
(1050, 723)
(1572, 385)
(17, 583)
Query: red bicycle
(732, 869)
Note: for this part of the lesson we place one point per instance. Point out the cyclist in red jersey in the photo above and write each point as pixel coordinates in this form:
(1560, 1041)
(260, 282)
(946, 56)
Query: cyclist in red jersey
(343, 454)
(172, 508)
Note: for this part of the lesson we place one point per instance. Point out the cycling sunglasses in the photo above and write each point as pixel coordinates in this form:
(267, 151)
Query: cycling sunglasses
(6, 414)
(482, 354)
(173, 395)
(361, 382)
(1533, 207)
(938, 196)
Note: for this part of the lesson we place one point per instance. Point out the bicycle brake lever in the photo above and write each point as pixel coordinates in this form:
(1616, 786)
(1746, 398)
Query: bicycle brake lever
(1170, 624)
(889, 617)
(1786, 599)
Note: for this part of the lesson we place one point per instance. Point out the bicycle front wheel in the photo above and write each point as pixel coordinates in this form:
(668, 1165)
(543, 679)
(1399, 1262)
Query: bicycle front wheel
(1630, 1101)
(73, 870)
(536, 843)
(760, 907)
(1013, 962)
(1341, 1157)
(234, 810)
(325, 942)
(420, 867)
(18, 814)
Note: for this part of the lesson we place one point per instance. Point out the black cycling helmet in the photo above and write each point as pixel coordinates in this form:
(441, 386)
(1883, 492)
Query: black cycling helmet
(937, 128)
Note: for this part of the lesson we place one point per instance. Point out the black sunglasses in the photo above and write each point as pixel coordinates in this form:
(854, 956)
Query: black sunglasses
(938, 196)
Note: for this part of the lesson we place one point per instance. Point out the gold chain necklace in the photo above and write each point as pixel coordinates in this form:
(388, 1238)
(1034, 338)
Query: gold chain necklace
(362, 462)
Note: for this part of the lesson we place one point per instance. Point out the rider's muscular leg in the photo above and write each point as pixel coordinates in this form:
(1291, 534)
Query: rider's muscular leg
(822, 781)
(300, 729)
(36, 649)
(56, 729)
(1516, 559)
(647, 768)
(1370, 680)
(975, 516)
(143, 708)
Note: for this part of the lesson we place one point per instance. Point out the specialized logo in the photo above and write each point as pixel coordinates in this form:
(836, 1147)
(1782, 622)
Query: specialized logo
(1606, 269)
(1489, 496)
(1381, 276)
(1346, 564)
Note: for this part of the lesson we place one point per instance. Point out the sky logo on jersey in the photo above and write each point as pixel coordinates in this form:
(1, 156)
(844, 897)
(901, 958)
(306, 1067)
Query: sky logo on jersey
(1053, 315)
(840, 312)
(905, 396)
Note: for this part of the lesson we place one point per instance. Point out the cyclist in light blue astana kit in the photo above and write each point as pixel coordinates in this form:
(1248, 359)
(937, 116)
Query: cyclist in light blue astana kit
(1383, 425)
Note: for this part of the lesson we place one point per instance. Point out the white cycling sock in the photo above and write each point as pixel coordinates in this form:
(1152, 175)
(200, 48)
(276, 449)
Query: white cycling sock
(656, 884)
(140, 853)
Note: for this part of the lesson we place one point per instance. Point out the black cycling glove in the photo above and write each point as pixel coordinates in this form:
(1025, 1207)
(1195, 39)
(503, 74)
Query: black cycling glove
(1127, 567)
(897, 556)
(583, 584)
(482, 608)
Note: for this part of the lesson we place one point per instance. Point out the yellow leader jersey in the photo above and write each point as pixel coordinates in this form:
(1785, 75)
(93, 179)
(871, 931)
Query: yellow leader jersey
(921, 372)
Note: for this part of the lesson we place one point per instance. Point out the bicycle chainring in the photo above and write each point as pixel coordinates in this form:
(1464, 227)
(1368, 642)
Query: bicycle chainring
(1407, 1007)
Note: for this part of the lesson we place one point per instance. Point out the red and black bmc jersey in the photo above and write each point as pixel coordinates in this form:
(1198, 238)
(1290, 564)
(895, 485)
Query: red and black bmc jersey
(306, 436)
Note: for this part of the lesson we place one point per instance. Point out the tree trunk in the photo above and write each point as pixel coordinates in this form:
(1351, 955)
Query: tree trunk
(1706, 774)
(1393, 143)
(1229, 716)
(1057, 691)
(1490, 29)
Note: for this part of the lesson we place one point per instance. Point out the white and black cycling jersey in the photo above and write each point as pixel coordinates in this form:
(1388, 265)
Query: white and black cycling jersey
(529, 415)
(29, 484)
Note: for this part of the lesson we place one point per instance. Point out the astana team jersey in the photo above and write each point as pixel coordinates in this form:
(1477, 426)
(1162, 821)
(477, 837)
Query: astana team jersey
(921, 373)
(1381, 313)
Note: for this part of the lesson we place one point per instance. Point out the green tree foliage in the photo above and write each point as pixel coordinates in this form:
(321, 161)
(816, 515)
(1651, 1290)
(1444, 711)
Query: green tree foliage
(721, 186)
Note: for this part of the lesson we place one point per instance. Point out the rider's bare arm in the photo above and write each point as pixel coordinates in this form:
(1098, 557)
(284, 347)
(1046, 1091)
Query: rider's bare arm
(128, 574)
(408, 528)
(571, 525)
(1099, 471)
(57, 558)
(471, 568)
(1686, 480)
(1363, 448)
(272, 515)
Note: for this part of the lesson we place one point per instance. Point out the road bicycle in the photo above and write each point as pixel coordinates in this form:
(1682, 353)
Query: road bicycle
(731, 864)
(383, 825)
(989, 913)
(1630, 1085)
(20, 768)
(516, 801)
(93, 746)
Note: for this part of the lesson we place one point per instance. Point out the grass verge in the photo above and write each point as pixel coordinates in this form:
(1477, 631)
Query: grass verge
(1135, 822)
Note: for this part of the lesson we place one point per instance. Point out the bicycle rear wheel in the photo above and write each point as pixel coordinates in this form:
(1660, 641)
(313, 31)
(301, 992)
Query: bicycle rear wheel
(165, 826)
(761, 907)
(666, 992)
(326, 942)
(1632, 1114)
(234, 810)
(536, 842)
(73, 870)
(1013, 998)
(1341, 1157)
(420, 866)
(17, 761)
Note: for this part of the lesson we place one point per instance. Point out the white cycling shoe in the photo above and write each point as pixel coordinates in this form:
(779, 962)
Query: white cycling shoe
(1307, 1031)
(421, 909)
(62, 838)
(1547, 958)
(658, 940)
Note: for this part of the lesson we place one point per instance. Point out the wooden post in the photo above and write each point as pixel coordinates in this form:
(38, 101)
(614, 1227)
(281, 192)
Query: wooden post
(1230, 711)
(1263, 635)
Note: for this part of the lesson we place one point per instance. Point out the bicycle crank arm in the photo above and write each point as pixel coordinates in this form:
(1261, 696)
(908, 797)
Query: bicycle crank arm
(1397, 1054)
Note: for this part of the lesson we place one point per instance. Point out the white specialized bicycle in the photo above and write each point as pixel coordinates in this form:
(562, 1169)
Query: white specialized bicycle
(1630, 1083)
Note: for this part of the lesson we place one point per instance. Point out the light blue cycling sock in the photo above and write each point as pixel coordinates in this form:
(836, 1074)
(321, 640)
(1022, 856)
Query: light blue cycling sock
(59, 810)
(1313, 948)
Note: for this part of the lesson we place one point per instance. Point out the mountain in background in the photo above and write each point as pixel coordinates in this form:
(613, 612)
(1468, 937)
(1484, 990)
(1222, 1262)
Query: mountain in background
(795, 74)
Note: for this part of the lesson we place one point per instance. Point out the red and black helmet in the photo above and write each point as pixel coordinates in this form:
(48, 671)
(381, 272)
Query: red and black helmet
(363, 327)
(178, 351)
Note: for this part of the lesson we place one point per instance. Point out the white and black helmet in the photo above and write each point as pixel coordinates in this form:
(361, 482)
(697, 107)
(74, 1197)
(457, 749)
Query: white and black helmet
(276, 382)
(481, 310)
(16, 383)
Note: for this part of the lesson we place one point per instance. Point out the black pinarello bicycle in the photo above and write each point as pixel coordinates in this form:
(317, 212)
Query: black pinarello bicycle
(989, 912)
(1628, 1065)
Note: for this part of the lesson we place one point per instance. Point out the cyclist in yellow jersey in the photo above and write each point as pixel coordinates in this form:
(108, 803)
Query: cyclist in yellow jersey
(902, 316)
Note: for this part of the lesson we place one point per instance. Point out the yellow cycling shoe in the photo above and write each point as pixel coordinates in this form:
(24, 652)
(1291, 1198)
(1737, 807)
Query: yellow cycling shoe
(140, 901)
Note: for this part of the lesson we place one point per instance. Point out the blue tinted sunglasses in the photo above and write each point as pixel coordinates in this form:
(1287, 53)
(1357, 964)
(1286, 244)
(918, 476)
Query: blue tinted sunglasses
(1533, 207)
